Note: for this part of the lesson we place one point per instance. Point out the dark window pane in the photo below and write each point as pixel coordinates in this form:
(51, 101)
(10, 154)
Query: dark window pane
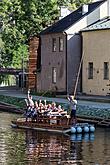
(90, 70)
(54, 74)
(61, 45)
(54, 44)
(106, 70)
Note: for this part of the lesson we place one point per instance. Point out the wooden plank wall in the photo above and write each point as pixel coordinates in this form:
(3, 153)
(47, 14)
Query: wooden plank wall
(32, 67)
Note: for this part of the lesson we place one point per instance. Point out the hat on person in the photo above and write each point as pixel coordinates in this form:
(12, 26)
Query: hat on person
(72, 97)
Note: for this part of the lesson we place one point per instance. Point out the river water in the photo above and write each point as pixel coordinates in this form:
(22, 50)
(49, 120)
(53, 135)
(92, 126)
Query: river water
(21, 147)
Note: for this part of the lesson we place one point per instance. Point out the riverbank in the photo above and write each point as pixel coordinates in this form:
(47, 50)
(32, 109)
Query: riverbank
(22, 94)
(101, 99)
(84, 108)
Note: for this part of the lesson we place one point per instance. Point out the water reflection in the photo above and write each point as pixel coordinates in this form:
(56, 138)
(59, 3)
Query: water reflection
(21, 147)
(46, 149)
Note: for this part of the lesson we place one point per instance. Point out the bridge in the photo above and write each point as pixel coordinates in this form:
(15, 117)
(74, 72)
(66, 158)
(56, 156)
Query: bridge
(20, 76)
(11, 71)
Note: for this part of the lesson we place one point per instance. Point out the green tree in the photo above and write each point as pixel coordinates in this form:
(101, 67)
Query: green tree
(80, 2)
(22, 19)
(11, 34)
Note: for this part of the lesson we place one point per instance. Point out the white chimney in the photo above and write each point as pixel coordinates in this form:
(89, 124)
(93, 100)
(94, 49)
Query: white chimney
(108, 7)
(84, 9)
(64, 12)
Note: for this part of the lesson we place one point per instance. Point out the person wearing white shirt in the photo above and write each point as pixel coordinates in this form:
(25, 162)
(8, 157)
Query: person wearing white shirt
(73, 104)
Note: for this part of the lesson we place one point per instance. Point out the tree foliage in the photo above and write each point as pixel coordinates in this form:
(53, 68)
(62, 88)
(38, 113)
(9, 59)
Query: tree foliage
(22, 18)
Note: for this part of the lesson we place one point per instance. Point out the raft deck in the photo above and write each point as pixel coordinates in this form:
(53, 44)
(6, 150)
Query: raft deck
(58, 125)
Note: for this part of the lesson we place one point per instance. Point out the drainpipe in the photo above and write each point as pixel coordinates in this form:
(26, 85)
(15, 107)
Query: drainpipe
(81, 87)
(66, 60)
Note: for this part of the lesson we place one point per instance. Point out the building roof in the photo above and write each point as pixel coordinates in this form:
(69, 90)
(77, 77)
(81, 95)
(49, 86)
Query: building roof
(102, 24)
(70, 19)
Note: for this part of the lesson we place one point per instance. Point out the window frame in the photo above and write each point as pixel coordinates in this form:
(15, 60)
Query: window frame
(106, 71)
(90, 70)
(61, 44)
(54, 75)
(54, 44)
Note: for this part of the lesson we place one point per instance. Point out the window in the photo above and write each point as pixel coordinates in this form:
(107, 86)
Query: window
(54, 44)
(106, 71)
(61, 45)
(54, 74)
(90, 70)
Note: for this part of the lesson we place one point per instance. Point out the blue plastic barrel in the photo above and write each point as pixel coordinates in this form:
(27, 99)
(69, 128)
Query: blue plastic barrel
(79, 129)
(92, 128)
(73, 130)
(86, 129)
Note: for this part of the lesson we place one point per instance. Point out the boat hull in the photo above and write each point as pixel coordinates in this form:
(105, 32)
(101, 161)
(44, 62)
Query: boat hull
(42, 127)
(53, 127)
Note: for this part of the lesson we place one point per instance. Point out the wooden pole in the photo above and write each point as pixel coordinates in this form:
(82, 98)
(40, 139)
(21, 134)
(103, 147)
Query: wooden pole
(78, 75)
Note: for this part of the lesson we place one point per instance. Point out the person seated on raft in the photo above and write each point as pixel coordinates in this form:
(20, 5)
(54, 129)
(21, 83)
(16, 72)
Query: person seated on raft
(61, 110)
(41, 106)
(49, 107)
(54, 107)
(36, 111)
(39, 103)
(36, 105)
(54, 111)
(45, 105)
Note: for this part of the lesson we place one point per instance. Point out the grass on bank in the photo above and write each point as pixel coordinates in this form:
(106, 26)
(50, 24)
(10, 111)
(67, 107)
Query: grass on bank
(18, 102)
(81, 110)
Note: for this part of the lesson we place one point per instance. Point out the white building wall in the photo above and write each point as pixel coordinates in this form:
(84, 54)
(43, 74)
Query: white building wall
(94, 16)
(103, 10)
(97, 14)
(77, 26)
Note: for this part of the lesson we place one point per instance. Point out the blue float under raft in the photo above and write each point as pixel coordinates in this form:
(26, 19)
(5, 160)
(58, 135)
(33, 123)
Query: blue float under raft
(82, 128)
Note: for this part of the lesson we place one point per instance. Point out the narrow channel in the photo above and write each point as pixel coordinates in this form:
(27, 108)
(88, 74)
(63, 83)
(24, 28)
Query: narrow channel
(40, 148)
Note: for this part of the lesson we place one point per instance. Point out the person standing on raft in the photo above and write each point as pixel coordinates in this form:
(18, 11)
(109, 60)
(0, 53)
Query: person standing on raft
(73, 103)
